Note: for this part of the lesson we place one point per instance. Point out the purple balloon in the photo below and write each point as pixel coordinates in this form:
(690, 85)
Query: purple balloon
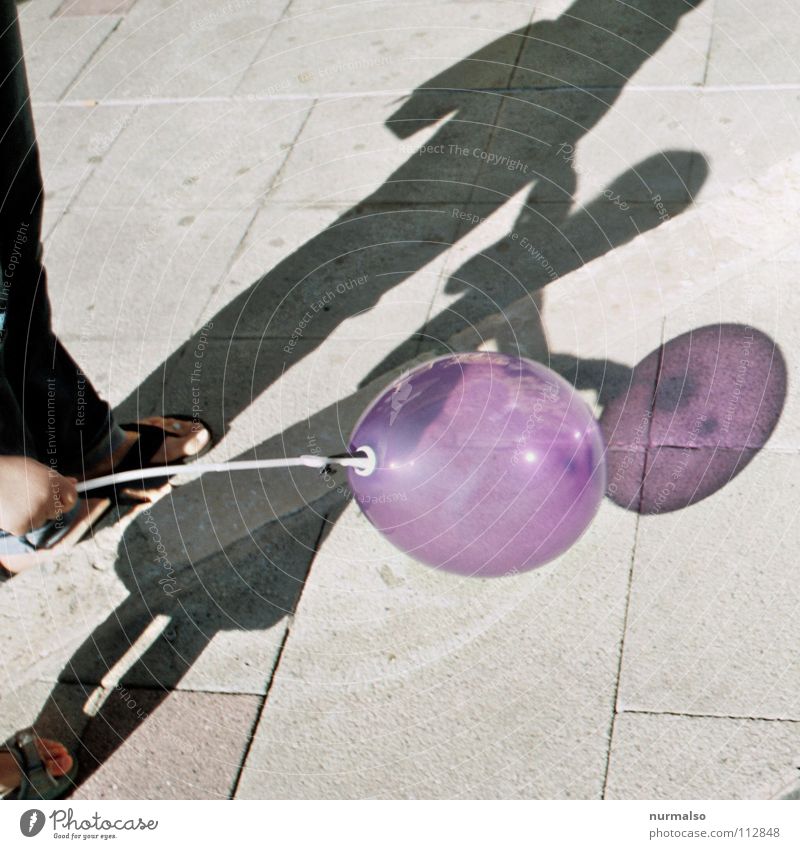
(485, 464)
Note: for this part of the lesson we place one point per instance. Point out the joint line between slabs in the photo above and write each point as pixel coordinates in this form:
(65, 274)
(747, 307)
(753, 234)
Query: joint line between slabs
(257, 56)
(690, 715)
(614, 712)
(257, 719)
(615, 707)
(276, 667)
(89, 58)
(266, 98)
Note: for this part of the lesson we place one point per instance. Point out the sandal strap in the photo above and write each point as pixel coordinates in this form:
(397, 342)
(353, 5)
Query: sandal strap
(151, 438)
(139, 456)
(26, 754)
(19, 759)
(27, 758)
(141, 426)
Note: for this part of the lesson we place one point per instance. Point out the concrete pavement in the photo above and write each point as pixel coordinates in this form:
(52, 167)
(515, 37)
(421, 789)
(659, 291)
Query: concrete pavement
(212, 169)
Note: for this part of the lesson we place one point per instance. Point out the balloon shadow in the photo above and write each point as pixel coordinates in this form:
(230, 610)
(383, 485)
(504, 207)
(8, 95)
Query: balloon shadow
(689, 417)
(696, 412)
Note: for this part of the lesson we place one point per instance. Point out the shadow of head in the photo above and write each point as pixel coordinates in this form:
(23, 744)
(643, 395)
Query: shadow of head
(592, 43)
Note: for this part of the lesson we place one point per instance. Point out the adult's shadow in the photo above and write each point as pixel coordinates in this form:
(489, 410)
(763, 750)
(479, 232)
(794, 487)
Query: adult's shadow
(208, 579)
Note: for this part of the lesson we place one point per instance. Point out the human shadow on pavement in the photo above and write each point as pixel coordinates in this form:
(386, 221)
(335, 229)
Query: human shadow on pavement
(528, 98)
(576, 69)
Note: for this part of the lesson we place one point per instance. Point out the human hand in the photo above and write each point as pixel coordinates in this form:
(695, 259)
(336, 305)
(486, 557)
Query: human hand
(31, 494)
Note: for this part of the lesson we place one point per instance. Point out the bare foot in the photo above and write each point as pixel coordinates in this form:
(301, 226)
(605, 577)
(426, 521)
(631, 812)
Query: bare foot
(54, 755)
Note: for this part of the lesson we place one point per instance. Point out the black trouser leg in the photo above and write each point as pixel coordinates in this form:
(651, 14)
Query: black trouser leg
(50, 410)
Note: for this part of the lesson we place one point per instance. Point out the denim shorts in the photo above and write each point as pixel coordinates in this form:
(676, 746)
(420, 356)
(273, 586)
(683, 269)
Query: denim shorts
(44, 537)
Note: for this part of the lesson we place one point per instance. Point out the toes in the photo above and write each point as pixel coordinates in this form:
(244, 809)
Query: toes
(183, 438)
(188, 437)
(50, 748)
(59, 766)
(55, 757)
(198, 440)
(70, 495)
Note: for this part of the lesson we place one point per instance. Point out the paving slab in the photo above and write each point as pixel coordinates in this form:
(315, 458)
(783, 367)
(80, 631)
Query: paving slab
(373, 47)
(690, 757)
(138, 276)
(581, 144)
(581, 289)
(166, 49)
(754, 46)
(142, 745)
(700, 583)
(66, 599)
(762, 302)
(196, 156)
(57, 50)
(401, 681)
(72, 142)
(37, 8)
(214, 624)
(502, 290)
(713, 611)
(120, 376)
(93, 7)
(57, 713)
(703, 256)
(744, 133)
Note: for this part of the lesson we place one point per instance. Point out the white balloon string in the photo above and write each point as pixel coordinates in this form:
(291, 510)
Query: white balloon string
(310, 460)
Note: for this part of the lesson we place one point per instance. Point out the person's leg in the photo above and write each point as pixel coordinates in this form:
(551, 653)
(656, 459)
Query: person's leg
(66, 422)
(20, 227)
(49, 410)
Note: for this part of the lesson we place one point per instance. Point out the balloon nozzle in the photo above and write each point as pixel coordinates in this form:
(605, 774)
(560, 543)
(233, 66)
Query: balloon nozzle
(362, 461)
(368, 461)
